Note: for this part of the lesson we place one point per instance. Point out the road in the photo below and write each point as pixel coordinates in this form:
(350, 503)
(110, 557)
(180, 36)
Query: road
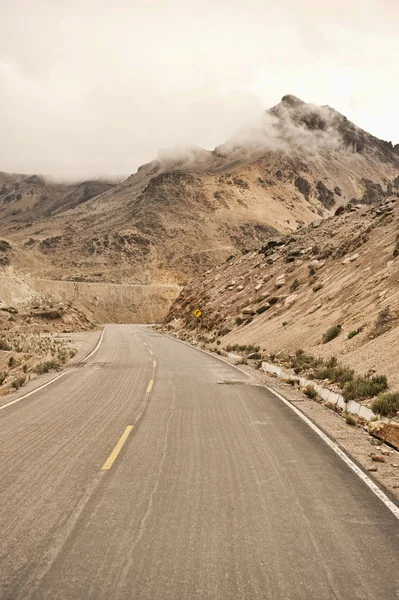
(217, 490)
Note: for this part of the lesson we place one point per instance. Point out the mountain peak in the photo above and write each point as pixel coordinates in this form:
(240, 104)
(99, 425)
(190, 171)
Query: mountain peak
(291, 100)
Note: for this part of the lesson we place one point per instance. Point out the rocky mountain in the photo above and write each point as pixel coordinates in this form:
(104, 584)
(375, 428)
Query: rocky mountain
(182, 214)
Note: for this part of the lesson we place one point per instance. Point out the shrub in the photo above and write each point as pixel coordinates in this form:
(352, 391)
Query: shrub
(387, 404)
(3, 376)
(18, 382)
(285, 323)
(294, 285)
(46, 367)
(331, 333)
(350, 419)
(310, 392)
(352, 334)
(11, 361)
(364, 387)
(239, 321)
(247, 348)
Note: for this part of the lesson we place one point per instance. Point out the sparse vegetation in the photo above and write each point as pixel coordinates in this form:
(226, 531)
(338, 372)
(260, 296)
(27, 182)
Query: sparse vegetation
(18, 382)
(239, 321)
(247, 348)
(350, 419)
(46, 367)
(3, 377)
(310, 392)
(363, 387)
(352, 334)
(11, 361)
(386, 404)
(331, 333)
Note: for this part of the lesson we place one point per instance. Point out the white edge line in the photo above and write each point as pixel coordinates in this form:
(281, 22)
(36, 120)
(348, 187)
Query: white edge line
(359, 472)
(353, 466)
(96, 346)
(44, 385)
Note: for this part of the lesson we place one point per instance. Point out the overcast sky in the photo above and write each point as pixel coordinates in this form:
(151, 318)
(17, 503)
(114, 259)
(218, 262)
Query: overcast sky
(91, 88)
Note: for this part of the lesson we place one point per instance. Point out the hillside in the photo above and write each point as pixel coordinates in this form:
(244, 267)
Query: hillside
(181, 215)
(342, 272)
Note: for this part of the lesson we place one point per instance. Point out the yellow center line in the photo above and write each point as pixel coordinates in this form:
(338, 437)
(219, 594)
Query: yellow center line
(114, 454)
(149, 388)
(154, 364)
(151, 352)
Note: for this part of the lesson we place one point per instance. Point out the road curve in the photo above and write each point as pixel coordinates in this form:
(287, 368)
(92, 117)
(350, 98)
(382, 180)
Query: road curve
(155, 471)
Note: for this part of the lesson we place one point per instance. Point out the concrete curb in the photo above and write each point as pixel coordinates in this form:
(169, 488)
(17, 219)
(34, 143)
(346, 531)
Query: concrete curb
(351, 407)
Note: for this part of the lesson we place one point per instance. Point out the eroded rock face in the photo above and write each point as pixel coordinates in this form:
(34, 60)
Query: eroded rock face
(303, 186)
(326, 196)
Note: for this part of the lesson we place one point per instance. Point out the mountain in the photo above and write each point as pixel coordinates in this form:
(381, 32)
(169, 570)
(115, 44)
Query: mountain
(187, 212)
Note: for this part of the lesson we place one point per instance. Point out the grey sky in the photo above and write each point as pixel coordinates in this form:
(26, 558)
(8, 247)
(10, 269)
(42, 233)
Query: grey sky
(91, 88)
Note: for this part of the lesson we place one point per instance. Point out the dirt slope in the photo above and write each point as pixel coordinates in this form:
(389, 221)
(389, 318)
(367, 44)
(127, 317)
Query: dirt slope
(344, 271)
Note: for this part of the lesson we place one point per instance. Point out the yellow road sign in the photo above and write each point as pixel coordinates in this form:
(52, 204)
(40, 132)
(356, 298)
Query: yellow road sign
(197, 313)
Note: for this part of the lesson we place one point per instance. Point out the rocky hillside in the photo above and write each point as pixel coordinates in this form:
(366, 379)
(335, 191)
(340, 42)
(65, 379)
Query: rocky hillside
(331, 288)
(180, 215)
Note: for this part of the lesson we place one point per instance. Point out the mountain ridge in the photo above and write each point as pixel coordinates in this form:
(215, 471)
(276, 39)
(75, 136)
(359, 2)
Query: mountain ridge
(187, 212)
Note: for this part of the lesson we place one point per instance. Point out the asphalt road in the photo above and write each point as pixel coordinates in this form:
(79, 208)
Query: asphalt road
(219, 490)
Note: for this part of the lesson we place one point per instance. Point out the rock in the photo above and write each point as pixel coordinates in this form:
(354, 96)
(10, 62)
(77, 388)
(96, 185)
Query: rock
(385, 452)
(354, 257)
(289, 301)
(395, 465)
(339, 211)
(377, 458)
(248, 311)
(240, 288)
(315, 264)
(280, 281)
(258, 287)
(372, 469)
(317, 223)
(263, 308)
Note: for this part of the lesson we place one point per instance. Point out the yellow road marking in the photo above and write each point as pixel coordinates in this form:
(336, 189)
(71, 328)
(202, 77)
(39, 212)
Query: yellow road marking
(145, 343)
(154, 364)
(114, 454)
(151, 352)
(149, 388)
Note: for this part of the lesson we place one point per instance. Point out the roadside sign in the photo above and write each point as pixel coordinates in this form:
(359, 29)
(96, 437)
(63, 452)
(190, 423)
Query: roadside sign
(197, 313)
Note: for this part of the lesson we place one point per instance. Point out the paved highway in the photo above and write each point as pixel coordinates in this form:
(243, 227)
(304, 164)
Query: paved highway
(155, 471)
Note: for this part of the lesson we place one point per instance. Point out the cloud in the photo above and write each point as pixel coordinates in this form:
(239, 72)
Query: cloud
(97, 88)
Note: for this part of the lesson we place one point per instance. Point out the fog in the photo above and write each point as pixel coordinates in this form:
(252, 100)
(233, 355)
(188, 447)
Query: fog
(91, 89)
